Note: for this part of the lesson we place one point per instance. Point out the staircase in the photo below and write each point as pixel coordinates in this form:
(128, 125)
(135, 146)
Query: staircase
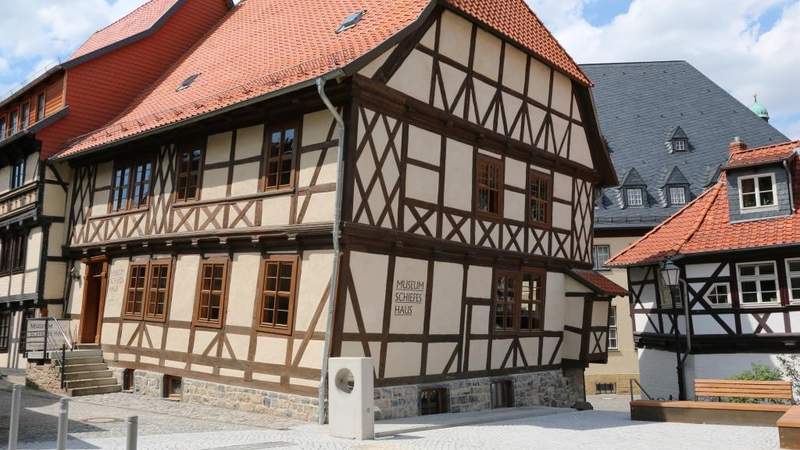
(85, 372)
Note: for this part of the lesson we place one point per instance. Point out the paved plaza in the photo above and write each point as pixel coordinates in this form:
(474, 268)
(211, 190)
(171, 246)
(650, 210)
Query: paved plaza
(97, 422)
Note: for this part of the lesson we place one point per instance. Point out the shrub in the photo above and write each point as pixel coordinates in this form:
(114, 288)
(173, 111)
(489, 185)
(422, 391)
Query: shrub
(760, 372)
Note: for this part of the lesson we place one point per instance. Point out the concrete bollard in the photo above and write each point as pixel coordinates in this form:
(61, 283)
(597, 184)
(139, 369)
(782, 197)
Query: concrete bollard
(132, 437)
(63, 424)
(13, 426)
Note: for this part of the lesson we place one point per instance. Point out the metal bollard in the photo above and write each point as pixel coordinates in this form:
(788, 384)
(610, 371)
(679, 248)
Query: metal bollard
(13, 427)
(63, 423)
(133, 425)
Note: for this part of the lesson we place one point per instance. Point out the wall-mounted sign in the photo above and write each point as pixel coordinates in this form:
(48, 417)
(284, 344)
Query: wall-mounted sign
(408, 295)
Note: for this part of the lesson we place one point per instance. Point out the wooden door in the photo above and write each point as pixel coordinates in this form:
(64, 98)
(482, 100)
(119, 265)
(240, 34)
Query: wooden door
(94, 294)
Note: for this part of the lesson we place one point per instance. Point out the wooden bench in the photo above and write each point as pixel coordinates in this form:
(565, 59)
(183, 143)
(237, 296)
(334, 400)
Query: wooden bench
(789, 428)
(722, 413)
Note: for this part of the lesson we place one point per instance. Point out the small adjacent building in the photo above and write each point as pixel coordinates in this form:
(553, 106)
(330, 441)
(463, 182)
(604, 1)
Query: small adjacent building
(38, 119)
(666, 126)
(716, 287)
(406, 180)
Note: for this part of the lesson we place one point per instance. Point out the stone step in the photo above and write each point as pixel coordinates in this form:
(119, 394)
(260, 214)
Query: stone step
(91, 382)
(87, 346)
(56, 355)
(93, 390)
(70, 367)
(90, 375)
(93, 359)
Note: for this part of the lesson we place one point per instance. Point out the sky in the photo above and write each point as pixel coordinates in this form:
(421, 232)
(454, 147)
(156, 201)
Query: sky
(745, 46)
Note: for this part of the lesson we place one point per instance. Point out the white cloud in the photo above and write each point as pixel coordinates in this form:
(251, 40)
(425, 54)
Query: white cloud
(38, 30)
(722, 38)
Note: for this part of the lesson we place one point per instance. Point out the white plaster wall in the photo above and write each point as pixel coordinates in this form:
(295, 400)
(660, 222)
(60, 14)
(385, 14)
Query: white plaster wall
(657, 373)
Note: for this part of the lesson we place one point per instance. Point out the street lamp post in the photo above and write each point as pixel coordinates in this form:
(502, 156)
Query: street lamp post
(671, 278)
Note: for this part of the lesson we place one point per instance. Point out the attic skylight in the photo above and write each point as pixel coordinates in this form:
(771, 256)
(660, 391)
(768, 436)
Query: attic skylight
(351, 21)
(187, 83)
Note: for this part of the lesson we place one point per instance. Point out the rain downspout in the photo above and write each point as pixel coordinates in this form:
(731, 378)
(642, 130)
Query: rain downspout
(336, 250)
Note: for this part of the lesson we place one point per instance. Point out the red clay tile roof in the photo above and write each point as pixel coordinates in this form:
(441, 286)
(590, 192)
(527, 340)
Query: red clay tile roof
(762, 155)
(141, 20)
(265, 46)
(703, 225)
(598, 282)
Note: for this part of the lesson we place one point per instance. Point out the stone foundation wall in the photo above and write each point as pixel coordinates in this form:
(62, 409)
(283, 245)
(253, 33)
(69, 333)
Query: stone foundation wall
(620, 381)
(151, 384)
(551, 388)
(46, 377)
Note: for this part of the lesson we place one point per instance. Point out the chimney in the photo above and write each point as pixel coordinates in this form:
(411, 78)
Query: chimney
(736, 146)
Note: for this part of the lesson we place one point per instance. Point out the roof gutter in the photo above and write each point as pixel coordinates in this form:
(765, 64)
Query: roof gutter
(789, 178)
(333, 287)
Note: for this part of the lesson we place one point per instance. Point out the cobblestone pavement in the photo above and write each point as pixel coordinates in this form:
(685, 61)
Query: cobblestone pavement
(96, 423)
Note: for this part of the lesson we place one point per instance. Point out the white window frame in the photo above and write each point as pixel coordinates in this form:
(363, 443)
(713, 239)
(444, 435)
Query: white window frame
(676, 189)
(612, 327)
(789, 286)
(758, 192)
(727, 303)
(679, 145)
(628, 202)
(757, 278)
(594, 256)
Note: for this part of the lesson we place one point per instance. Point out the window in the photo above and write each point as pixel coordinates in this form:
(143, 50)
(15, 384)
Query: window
(26, 115)
(190, 160)
(489, 186)
(719, 295)
(12, 252)
(680, 145)
(2, 127)
(40, 106)
(758, 283)
(173, 386)
(757, 191)
(12, 124)
(634, 197)
(793, 275)
(17, 174)
(212, 292)
(27, 314)
(187, 82)
(600, 254)
(433, 401)
(502, 392)
(278, 287)
(5, 329)
(127, 380)
(130, 187)
(539, 199)
(605, 388)
(134, 299)
(279, 160)
(531, 312)
(519, 301)
(148, 291)
(613, 344)
(677, 196)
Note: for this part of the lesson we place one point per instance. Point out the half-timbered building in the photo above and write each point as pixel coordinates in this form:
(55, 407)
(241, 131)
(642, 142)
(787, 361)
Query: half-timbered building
(406, 180)
(667, 148)
(715, 288)
(36, 120)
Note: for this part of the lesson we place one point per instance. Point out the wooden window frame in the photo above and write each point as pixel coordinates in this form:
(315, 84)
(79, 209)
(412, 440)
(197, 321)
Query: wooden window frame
(482, 160)
(443, 400)
(188, 147)
(758, 278)
(628, 190)
(131, 165)
(6, 319)
(613, 328)
(757, 192)
(3, 126)
(13, 249)
(13, 122)
(220, 322)
(262, 293)
(602, 267)
(790, 288)
(129, 290)
(24, 115)
(41, 105)
(18, 169)
(501, 393)
(147, 290)
(266, 159)
(683, 193)
(548, 180)
(518, 301)
(712, 292)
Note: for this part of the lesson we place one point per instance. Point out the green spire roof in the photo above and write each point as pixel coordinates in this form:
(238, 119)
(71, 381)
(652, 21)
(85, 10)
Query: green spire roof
(759, 109)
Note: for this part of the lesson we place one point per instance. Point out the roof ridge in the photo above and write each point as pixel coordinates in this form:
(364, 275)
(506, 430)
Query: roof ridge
(123, 17)
(658, 227)
(766, 147)
(622, 63)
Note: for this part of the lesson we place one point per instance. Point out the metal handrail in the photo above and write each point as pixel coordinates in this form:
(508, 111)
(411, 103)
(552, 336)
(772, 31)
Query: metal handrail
(641, 389)
(67, 340)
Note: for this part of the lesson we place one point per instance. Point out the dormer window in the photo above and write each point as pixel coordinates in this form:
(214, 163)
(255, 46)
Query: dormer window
(634, 197)
(678, 141)
(680, 145)
(757, 191)
(677, 195)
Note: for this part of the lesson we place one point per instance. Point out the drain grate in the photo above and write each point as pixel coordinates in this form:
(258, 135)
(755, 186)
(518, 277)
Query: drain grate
(256, 446)
(102, 420)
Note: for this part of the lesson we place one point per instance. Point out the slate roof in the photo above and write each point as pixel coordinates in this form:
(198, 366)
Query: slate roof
(268, 47)
(640, 106)
(703, 226)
